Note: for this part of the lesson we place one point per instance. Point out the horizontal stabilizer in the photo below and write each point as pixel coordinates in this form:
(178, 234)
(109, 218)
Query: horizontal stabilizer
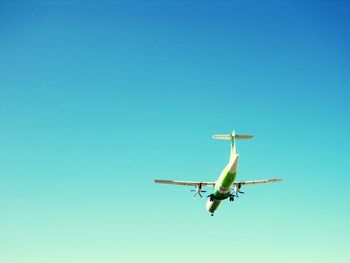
(223, 137)
(243, 137)
(230, 137)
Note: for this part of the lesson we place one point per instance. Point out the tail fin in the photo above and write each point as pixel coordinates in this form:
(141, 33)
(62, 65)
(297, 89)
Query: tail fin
(231, 137)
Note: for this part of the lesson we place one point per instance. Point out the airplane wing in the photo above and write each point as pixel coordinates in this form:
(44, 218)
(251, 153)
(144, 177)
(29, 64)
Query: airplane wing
(274, 180)
(184, 182)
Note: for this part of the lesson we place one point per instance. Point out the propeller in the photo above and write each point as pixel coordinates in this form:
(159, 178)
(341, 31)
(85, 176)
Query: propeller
(237, 190)
(198, 190)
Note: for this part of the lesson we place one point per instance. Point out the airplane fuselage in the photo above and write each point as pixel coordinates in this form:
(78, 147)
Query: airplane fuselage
(226, 186)
(222, 189)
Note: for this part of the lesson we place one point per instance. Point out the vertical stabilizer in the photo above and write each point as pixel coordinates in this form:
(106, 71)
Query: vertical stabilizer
(233, 152)
(232, 137)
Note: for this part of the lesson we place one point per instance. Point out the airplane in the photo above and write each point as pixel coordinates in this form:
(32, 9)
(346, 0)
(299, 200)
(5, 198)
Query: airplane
(225, 187)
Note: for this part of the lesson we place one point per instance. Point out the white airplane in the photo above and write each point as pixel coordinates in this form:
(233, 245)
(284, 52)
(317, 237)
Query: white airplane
(226, 186)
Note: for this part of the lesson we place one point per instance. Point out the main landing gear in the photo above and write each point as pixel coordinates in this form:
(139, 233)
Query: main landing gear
(232, 196)
(211, 197)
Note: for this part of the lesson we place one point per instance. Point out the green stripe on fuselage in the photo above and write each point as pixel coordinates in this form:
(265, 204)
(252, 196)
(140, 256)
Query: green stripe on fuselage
(228, 180)
(220, 196)
(214, 206)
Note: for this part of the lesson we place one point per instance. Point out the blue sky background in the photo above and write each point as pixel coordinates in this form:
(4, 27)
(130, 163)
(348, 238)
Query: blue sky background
(98, 98)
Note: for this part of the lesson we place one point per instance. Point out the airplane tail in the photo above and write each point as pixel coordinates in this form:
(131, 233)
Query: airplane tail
(232, 137)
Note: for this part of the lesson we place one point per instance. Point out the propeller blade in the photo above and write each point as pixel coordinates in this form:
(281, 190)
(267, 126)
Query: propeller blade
(200, 195)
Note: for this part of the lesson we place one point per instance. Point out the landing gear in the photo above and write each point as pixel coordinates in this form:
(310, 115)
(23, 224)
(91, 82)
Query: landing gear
(212, 214)
(232, 197)
(211, 197)
(235, 192)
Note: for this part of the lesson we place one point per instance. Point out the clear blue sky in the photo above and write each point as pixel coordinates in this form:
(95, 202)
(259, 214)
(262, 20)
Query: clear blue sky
(98, 98)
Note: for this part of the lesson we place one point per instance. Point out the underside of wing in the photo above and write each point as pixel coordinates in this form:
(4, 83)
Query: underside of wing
(190, 183)
(274, 180)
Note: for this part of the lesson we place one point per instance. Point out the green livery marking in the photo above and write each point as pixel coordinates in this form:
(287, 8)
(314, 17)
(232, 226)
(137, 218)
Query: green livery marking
(228, 180)
(223, 186)
(214, 206)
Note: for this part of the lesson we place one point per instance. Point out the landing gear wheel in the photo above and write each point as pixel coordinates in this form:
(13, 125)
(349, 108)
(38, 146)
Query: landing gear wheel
(212, 214)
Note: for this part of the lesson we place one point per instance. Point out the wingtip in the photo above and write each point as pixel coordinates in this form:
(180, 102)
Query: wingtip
(278, 179)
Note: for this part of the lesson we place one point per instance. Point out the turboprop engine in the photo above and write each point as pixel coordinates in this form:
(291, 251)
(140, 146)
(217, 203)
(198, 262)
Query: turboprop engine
(198, 190)
(237, 189)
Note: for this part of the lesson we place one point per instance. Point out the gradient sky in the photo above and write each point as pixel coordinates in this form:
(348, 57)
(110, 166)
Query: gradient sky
(98, 98)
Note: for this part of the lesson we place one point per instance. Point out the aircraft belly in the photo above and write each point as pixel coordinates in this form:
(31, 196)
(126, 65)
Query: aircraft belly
(227, 181)
(213, 205)
(227, 176)
(223, 186)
